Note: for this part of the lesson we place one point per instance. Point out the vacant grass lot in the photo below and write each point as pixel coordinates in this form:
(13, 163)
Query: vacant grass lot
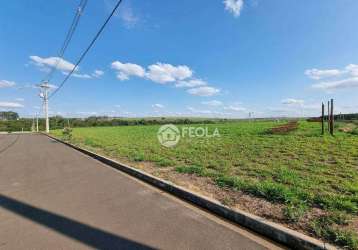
(301, 170)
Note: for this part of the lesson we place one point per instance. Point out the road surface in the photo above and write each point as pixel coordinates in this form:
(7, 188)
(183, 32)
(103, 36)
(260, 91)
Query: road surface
(53, 197)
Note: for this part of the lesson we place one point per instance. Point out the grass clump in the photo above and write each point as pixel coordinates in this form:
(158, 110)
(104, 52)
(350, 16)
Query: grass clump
(330, 227)
(294, 212)
(354, 131)
(138, 157)
(194, 169)
(164, 162)
(338, 202)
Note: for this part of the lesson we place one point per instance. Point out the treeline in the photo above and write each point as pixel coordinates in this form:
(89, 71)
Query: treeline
(8, 115)
(102, 121)
(58, 122)
(339, 117)
(15, 125)
(346, 117)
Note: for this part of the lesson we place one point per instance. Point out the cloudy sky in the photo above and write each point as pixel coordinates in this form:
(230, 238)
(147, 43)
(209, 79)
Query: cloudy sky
(218, 58)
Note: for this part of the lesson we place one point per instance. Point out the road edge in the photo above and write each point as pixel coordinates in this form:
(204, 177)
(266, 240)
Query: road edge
(271, 230)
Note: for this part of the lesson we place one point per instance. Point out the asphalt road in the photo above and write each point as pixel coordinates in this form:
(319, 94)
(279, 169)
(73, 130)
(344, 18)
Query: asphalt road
(53, 197)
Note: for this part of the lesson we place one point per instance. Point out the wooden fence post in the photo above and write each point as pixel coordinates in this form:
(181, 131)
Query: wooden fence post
(332, 118)
(328, 117)
(322, 119)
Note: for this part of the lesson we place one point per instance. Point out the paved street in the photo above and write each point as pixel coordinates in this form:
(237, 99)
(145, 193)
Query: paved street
(53, 197)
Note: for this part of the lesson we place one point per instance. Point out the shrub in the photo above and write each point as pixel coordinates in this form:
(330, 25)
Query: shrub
(67, 133)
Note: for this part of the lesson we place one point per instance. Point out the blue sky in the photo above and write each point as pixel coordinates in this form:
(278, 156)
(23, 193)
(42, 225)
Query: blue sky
(183, 58)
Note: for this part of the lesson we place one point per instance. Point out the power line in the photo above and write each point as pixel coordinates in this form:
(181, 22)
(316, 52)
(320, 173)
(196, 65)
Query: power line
(68, 38)
(87, 49)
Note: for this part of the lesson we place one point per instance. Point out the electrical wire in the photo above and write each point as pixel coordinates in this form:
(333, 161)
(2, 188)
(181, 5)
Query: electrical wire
(87, 49)
(66, 42)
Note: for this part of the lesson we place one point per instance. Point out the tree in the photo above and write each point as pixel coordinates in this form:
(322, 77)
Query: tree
(9, 115)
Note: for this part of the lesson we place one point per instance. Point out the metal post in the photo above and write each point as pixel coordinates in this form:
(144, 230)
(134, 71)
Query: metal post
(322, 119)
(328, 117)
(332, 118)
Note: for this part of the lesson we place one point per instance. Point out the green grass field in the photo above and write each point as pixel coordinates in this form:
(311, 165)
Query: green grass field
(301, 170)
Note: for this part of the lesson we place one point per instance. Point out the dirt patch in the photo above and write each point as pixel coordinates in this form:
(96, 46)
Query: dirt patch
(348, 128)
(314, 119)
(282, 129)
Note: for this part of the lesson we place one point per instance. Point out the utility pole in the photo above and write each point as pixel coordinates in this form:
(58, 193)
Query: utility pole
(33, 125)
(37, 123)
(44, 94)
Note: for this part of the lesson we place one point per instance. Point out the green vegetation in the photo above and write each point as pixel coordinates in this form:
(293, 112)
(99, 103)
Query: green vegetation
(16, 125)
(301, 169)
(8, 115)
(59, 122)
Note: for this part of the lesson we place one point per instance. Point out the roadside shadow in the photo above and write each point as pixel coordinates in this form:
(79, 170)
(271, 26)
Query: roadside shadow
(86, 234)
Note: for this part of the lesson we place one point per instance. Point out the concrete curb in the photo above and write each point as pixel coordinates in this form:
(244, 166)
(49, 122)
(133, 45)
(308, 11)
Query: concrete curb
(276, 232)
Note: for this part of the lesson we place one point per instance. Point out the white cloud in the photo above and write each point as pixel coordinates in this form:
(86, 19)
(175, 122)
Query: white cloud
(98, 73)
(199, 111)
(234, 6)
(349, 81)
(314, 106)
(213, 103)
(125, 70)
(11, 105)
(159, 72)
(317, 74)
(128, 17)
(157, 105)
(82, 76)
(291, 101)
(164, 73)
(126, 14)
(339, 84)
(87, 113)
(6, 84)
(51, 62)
(352, 69)
(235, 108)
(191, 83)
(302, 110)
(203, 91)
(66, 67)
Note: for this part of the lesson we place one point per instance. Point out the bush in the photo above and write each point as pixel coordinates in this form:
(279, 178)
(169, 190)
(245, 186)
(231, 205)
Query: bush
(67, 133)
(354, 131)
